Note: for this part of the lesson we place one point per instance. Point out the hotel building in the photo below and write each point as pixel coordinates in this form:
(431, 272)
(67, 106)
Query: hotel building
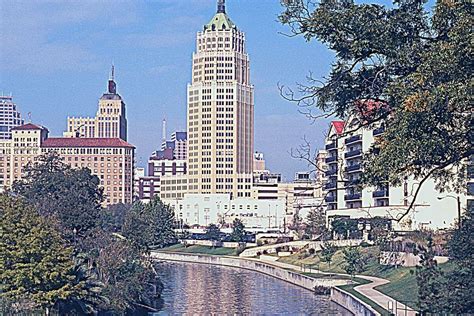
(110, 159)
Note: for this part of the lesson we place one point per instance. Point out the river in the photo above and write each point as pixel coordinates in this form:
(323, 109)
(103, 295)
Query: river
(198, 289)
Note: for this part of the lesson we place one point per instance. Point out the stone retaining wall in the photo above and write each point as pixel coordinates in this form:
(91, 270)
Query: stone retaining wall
(254, 265)
(352, 303)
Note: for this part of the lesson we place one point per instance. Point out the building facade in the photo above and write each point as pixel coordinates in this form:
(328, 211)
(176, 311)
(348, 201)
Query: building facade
(343, 168)
(110, 121)
(9, 117)
(111, 160)
(220, 111)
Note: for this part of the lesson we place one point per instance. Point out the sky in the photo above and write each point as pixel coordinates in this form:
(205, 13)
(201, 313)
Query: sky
(55, 59)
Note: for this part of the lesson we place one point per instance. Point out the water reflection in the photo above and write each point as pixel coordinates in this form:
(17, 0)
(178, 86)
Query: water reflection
(197, 289)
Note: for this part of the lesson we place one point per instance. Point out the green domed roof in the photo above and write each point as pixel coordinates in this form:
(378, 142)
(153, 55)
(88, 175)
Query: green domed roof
(220, 22)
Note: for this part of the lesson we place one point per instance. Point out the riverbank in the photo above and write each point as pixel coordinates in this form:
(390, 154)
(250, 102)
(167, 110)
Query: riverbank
(338, 295)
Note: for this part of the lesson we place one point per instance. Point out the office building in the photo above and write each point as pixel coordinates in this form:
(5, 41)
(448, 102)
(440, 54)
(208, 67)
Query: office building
(220, 111)
(110, 121)
(9, 116)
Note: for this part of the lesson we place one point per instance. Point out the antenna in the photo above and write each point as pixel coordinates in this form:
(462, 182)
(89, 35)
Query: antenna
(29, 117)
(164, 130)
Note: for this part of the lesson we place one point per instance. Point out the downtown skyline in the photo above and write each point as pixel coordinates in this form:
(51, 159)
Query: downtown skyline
(156, 88)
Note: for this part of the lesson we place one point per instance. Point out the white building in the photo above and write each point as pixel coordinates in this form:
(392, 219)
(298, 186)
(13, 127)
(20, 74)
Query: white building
(9, 117)
(205, 209)
(344, 166)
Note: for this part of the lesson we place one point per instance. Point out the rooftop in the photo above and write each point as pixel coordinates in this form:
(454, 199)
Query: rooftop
(85, 142)
(28, 126)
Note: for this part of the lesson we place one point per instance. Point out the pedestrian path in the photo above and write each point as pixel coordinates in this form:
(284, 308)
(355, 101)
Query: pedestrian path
(368, 290)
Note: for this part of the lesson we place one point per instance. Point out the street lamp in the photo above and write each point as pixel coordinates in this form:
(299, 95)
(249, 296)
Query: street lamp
(458, 199)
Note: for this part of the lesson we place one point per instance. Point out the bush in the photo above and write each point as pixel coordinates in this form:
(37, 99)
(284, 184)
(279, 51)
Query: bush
(322, 290)
(311, 251)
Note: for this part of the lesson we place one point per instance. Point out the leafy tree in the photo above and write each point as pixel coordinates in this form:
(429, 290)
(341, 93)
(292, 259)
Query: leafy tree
(213, 232)
(406, 68)
(327, 252)
(70, 197)
(35, 263)
(150, 225)
(355, 261)
(316, 223)
(238, 230)
(346, 227)
(113, 217)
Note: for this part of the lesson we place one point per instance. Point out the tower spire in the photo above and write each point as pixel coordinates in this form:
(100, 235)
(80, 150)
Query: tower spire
(220, 6)
(112, 86)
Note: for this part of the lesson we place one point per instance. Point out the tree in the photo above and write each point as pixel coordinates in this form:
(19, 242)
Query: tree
(238, 230)
(402, 68)
(35, 263)
(150, 225)
(213, 232)
(355, 261)
(316, 224)
(327, 252)
(70, 197)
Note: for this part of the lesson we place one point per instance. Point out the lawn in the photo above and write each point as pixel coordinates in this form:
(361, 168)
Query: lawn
(217, 251)
(402, 286)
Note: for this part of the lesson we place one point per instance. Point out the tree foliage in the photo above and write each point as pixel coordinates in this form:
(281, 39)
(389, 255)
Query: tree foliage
(403, 67)
(316, 224)
(36, 264)
(355, 261)
(213, 232)
(238, 230)
(327, 252)
(70, 197)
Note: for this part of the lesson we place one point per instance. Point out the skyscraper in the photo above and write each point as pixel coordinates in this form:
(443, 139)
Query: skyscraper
(110, 121)
(220, 111)
(9, 116)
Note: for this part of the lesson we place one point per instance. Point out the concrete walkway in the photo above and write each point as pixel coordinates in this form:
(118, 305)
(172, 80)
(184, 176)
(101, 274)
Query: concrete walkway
(367, 290)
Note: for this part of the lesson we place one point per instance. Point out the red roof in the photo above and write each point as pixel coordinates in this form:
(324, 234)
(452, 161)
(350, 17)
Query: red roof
(28, 126)
(338, 126)
(85, 142)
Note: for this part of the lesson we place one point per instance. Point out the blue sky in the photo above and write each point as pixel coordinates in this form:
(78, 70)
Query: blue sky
(55, 58)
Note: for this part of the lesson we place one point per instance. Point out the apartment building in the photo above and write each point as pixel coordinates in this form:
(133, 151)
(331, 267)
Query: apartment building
(109, 159)
(343, 167)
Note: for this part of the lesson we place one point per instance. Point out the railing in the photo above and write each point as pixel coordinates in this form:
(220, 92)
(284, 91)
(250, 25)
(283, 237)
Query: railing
(380, 194)
(330, 199)
(331, 159)
(350, 197)
(353, 139)
(378, 131)
(331, 145)
(329, 186)
(353, 153)
(352, 168)
(330, 172)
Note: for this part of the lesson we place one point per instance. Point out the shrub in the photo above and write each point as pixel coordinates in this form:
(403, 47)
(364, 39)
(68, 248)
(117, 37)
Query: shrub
(322, 290)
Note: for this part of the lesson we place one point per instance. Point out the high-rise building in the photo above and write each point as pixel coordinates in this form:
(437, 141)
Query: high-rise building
(111, 159)
(110, 121)
(9, 117)
(220, 111)
(178, 144)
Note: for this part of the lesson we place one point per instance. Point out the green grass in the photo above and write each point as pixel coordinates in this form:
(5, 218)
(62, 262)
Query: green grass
(217, 251)
(402, 286)
(350, 289)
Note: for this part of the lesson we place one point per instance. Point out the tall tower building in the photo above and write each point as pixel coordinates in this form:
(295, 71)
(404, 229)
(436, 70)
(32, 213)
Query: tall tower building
(220, 111)
(110, 121)
(9, 117)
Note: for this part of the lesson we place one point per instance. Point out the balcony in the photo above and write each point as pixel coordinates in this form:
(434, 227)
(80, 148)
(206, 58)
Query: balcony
(352, 197)
(330, 185)
(331, 172)
(330, 199)
(331, 145)
(353, 153)
(352, 168)
(331, 159)
(378, 131)
(380, 194)
(353, 139)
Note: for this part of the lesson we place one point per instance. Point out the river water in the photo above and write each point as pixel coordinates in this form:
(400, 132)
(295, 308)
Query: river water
(198, 289)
